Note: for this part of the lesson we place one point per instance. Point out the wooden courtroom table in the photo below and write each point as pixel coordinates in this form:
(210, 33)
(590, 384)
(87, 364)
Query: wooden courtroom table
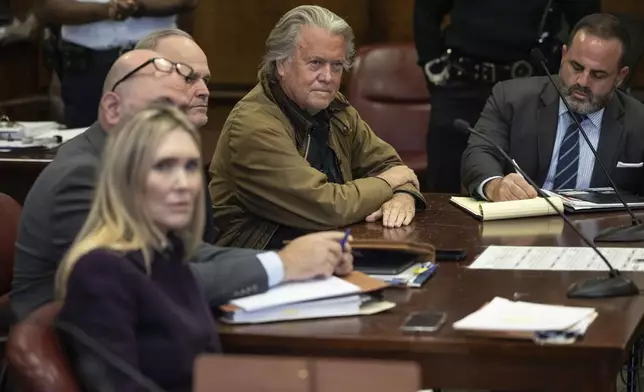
(448, 358)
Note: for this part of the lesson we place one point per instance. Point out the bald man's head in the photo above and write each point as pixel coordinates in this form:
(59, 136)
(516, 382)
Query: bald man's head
(126, 63)
(182, 48)
(146, 86)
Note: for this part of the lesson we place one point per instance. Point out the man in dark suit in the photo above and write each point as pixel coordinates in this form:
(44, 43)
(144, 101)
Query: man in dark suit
(530, 122)
(58, 203)
(486, 41)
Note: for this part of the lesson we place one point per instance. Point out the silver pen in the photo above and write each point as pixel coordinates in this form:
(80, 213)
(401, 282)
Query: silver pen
(516, 168)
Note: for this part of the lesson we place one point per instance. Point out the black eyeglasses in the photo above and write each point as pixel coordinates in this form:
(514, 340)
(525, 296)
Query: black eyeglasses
(163, 65)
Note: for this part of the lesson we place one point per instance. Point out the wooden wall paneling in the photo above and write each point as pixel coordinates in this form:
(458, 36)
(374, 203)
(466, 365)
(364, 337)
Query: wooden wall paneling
(391, 21)
(218, 111)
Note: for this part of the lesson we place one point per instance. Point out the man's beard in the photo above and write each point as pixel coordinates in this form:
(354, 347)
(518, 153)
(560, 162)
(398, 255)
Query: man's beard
(590, 104)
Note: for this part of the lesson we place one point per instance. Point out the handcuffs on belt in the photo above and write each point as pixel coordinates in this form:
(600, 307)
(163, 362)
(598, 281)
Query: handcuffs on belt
(441, 69)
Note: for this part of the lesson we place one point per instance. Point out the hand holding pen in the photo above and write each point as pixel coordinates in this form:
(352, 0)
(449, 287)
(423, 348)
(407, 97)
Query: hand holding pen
(346, 262)
(511, 187)
(316, 255)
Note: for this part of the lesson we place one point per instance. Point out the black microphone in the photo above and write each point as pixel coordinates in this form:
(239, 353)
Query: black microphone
(613, 285)
(632, 233)
(109, 357)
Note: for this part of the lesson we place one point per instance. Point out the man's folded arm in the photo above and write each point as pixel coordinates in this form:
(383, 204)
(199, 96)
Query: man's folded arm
(481, 161)
(70, 12)
(274, 182)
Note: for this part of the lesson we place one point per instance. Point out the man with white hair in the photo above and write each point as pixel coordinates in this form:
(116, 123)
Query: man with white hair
(294, 155)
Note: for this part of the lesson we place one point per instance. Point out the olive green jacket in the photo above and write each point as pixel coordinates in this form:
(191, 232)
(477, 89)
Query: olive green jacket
(260, 177)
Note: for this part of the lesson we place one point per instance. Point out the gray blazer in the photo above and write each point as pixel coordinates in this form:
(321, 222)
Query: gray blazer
(521, 116)
(55, 210)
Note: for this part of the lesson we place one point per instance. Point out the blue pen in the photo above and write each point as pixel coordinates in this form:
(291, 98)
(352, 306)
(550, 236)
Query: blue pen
(345, 239)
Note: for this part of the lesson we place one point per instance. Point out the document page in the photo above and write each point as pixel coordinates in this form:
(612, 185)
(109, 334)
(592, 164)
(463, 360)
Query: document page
(558, 258)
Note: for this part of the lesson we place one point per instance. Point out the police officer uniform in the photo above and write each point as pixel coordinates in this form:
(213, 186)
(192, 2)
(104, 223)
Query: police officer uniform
(86, 53)
(488, 41)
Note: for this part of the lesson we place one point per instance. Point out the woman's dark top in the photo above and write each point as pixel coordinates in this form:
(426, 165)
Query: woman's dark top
(158, 324)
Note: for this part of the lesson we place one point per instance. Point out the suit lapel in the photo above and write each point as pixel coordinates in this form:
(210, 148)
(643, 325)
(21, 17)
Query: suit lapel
(610, 136)
(547, 120)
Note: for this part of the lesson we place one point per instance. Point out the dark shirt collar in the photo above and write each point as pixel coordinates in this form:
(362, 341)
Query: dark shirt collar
(174, 250)
(302, 120)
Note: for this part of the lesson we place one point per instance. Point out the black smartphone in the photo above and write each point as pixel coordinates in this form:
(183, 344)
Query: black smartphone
(450, 254)
(426, 321)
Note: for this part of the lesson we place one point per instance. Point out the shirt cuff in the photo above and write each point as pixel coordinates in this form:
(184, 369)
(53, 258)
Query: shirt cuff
(482, 186)
(274, 267)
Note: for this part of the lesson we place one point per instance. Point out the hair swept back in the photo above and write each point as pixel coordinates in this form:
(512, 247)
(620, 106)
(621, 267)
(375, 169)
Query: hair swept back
(281, 41)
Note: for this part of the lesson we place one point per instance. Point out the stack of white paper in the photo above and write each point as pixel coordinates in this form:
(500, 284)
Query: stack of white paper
(38, 134)
(330, 297)
(504, 318)
(553, 258)
(570, 200)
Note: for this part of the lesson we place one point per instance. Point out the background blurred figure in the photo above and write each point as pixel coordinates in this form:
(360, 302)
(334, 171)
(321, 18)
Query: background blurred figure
(93, 35)
(487, 41)
(18, 30)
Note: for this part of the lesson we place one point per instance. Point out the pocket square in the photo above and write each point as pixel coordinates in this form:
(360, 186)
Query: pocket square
(629, 165)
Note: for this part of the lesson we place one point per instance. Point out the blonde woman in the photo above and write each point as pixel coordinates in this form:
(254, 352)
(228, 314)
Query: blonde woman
(125, 281)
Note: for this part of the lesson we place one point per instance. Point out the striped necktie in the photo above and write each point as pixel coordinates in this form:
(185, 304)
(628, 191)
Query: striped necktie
(568, 162)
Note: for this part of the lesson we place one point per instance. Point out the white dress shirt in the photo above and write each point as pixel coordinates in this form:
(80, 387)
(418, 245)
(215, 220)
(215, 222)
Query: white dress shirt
(108, 34)
(274, 267)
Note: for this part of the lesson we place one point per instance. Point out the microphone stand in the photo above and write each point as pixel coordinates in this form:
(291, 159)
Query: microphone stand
(632, 233)
(613, 285)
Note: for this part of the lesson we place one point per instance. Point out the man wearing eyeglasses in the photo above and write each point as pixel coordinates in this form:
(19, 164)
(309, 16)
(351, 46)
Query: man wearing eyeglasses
(177, 45)
(59, 201)
(94, 33)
